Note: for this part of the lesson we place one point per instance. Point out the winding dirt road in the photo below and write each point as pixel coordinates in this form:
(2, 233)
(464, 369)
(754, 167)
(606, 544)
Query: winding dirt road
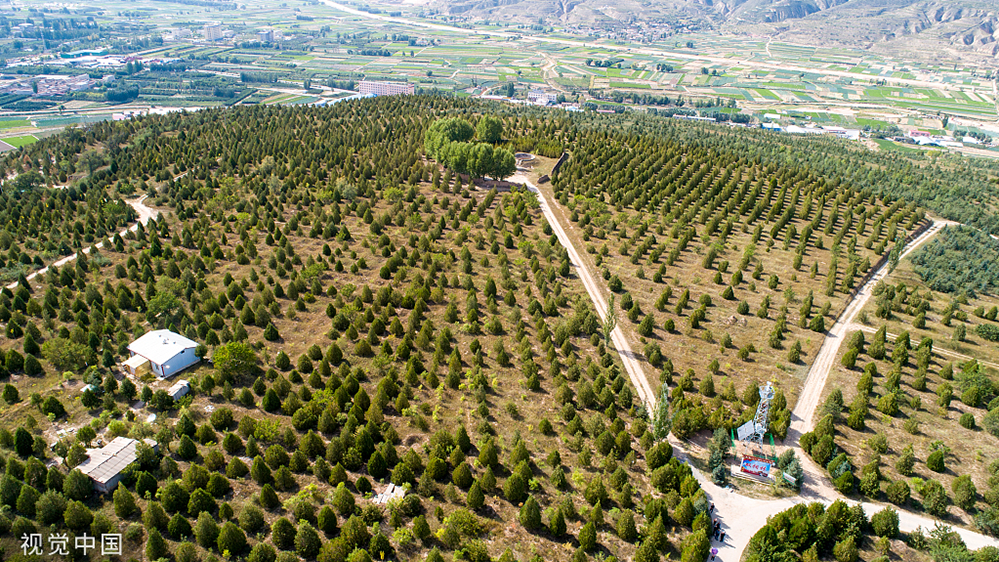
(808, 401)
(145, 213)
(741, 516)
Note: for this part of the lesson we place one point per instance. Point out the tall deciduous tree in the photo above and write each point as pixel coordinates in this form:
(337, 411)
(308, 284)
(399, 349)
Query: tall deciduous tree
(489, 129)
(234, 359)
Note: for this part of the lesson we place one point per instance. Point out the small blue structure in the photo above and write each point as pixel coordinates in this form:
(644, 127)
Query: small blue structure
(163, 352)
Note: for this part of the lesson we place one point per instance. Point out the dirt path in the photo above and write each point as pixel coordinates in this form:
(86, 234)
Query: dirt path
(808, 401)
(595, 290)
(742, 516)
(145, 213)
(547, 71)
(936, 349)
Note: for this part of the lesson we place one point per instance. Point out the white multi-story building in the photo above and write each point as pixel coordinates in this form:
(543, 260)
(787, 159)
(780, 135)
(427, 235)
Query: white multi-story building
(541, 97)
(177, 34)
(268, 36)
(213, 31)
(386, 88)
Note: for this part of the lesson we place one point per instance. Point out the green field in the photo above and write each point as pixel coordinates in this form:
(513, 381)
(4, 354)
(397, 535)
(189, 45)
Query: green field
(894, 146)
(20, 141)
(14, 123)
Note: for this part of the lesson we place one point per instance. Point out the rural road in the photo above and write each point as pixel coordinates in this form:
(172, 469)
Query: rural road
(145, 213)
(742, 516)
(628, 357)
(804, 411)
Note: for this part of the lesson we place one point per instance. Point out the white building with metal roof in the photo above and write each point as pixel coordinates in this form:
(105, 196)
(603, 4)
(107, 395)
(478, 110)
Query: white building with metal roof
(163, 352)
(105, 465)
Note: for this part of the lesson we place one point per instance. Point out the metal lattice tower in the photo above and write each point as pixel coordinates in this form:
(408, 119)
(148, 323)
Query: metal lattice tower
(762, 414)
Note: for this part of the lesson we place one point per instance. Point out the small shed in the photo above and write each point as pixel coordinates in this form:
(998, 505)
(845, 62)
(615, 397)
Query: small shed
(163, 352)
(180, 389)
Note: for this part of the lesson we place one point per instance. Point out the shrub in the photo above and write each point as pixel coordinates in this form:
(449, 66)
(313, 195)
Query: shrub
(990, 422)
(817, 324)
(965, 493)
(155, 516)
(124, 502)
(283, 533)
(530, 515)
(179, 527)
(187, 450)
(625, 526)
(684, 513)
(50, 507)
(326, 521)
(10, 394)
(935, 461)
(262, 552)
(906, 461)
(885, 523)
(695, 547)
(588, 537)
(307, 542)
(156, 547)
(77, 486)
(52, 407)
(515, 488)
(898, 492)
(988, 332)
(846, 550)
(878, 443)
(343, 500)
(282, 361)
(845, 483)
(187, 552)
(206, 530)
(888, 404)
(935, 498)
(231, 539)
(271, 333)
(822, 450)
(251, 518)
(475, 498)
(849, 359)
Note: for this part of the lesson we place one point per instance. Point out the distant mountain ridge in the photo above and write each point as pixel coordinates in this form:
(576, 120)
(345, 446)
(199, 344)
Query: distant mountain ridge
(968, 27)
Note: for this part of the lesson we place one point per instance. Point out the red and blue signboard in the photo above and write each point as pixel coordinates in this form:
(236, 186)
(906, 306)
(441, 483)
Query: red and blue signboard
(756, 466)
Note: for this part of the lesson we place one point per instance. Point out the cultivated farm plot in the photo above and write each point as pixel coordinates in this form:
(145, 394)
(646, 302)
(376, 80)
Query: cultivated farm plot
(14, 123)
(20, 141)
